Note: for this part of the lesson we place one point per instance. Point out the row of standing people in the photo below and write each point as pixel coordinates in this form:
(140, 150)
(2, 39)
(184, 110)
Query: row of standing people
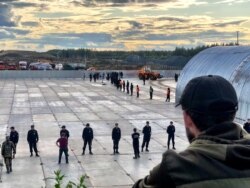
(9, 146)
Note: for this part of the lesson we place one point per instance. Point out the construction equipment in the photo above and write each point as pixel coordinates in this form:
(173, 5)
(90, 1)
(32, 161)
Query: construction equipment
(146, 72)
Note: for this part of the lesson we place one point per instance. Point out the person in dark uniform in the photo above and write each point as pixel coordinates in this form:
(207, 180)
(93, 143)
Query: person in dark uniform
(116, 136)
(135, 137)
(8, 149)
(146, 137)
(32, 139)
(87, 136)
(123, 85)
(137, 91)
(151, 90)
(144, 79)
(247, 125)
(171, 131)
(131, 88)
(64, 131)
(90, 77)
(14, 137)
(127, 87)
(168, 95)
(62, 143)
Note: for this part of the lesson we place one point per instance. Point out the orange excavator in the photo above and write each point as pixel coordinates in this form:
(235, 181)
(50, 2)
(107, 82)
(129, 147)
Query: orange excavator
(146, 72)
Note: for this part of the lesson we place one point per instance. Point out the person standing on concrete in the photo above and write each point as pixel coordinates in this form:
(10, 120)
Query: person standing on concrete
(116, 136)
(14, 137)
(247, 125)
(146, 137)
(136, 137)
(123, 85)
(144, 79)
(62, 143)
(87, 136)
(171, 132)
(127, 87)
(168, 95)
(151, 90)
(90, 77)
(137, 91)
(7, 151)
(131, 88)
(32, 138)
(64, 131)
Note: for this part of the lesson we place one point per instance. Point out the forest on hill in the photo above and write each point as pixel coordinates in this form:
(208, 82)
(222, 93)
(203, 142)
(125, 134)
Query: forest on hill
(175, 59)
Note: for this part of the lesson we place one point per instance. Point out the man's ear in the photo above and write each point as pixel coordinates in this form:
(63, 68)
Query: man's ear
(187, 120)
(189, 124)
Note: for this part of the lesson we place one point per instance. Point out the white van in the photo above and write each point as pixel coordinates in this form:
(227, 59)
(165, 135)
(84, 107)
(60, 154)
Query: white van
(59, 66)
(22, 65)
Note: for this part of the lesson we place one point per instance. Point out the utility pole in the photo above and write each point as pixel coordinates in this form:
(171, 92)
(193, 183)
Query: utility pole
(237, 43)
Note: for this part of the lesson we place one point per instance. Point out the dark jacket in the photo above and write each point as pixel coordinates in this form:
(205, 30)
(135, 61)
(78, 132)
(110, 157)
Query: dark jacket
(218, 158)
(171, 129)
(32, 136)
(8, 148)
(14, 136)
(135, 137)
(116, 133)
(66, 132)
(87, 133)
(247, 127)
(147, 132)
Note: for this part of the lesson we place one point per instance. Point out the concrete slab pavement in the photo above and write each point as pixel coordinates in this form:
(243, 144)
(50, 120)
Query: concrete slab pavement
(50, 103)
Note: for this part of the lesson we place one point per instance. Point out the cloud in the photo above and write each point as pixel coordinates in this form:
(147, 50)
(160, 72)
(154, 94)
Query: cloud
(6, 35)
(71, 40)
(18, 31)
(191, 36)
(6, 16)
(119, 3)
(30, 23)
(225, 24)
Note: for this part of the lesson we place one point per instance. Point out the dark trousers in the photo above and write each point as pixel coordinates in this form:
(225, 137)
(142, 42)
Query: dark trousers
(33, 146)
(137, 94)
(8, 163)
(116, 145)
(89, 142)
(168, 98)
(171, 137)
(136, 149)
(127, 90)
(61, 151)
(145, 142)
(151, 95)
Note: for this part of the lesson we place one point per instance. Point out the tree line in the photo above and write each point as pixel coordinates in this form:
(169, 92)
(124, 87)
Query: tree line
(122, 55)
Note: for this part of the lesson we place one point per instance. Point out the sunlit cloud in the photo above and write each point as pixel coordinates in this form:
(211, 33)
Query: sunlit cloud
(120, 24)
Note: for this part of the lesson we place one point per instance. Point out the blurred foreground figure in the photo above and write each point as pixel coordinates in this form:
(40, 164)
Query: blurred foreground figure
(219, 151)
(7, 151)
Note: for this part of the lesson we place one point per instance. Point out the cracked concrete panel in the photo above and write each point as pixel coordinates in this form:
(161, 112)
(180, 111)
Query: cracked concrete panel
(16, 110)
(43, 117)
(85, 117)
(66, 117)
(41, 110)
(25, 119)
(56, 103)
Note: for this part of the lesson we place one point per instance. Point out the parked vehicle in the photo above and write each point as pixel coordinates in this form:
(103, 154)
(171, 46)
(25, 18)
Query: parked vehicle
(2, 65)
(11, 66)
(22, 65)
(40, 66)
(59, 66)
(148, 73)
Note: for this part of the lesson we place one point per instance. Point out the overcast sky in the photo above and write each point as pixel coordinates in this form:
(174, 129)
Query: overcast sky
(121, 24)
